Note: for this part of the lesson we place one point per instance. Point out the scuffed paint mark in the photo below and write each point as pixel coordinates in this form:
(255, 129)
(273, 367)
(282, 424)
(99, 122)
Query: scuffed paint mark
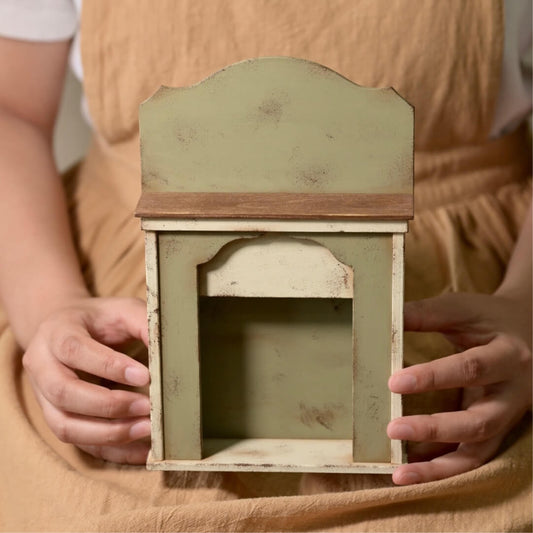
(172, 388)
(314, 176)
(271, 108)
(325, 416)
(186, 135)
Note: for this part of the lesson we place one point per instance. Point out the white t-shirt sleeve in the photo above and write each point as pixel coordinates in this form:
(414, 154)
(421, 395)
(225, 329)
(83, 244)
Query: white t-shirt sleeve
(38, 20)
(57, 20)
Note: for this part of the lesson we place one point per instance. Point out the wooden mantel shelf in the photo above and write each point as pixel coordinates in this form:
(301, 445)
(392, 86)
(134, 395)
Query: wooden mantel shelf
(321, 206)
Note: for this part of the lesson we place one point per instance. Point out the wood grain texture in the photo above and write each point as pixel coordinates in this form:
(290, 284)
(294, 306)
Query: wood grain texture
(276, 206)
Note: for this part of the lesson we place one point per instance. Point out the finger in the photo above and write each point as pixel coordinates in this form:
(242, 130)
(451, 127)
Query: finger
(63, 389)
(425, 451)
(134, 453)
(82, 430)
(435, 314)
(494, 362)
(465, 458)
(80, 352)
(481, 421)
(116, 320)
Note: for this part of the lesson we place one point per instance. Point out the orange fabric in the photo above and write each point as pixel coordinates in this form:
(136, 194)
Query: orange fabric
(437, 57)
(470, 197)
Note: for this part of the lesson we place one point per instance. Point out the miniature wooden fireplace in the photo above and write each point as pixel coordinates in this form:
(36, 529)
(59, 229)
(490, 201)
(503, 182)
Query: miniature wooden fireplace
(275, 201)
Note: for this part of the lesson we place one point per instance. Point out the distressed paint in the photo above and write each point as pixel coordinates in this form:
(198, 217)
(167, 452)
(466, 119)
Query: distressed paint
(179, 339)
(276, 125)
(370, 256)
(179, 346)
(284, 400)
(289, 365)
(154, 351)
(398, 245)
(277, 455)
(275, 383)
(275, 267)
(277, 226)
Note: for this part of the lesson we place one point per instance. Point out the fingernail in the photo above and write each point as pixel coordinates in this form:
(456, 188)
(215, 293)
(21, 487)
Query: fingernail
(409, 478)
(403, 383)
(401, 432)
(136, 375)
(140, 407)
(140, 430)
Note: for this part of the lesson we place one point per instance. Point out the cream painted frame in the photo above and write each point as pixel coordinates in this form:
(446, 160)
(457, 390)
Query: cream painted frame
(272, 457)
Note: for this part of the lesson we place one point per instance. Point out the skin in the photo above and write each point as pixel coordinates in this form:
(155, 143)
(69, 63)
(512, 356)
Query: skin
(60, 327)
(492, 334)
(64, 330)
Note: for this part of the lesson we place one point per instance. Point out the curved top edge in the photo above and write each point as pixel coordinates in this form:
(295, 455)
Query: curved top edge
(246, 62)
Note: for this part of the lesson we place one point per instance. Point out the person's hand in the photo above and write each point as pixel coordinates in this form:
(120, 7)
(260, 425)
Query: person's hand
(75, 341)
(492, 334)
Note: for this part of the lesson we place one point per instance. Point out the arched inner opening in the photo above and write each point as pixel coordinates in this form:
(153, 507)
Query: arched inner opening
(275, 339)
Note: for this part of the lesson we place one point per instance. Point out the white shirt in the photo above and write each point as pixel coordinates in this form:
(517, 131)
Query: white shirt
(57, 20)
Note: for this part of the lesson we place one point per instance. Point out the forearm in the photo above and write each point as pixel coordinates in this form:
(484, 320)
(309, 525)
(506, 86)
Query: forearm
(518, 276)
(39, 271)
(64, 333)
(517, 283)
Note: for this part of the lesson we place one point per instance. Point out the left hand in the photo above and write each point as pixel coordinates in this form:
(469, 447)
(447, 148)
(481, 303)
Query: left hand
(493, 368)
(77, 375)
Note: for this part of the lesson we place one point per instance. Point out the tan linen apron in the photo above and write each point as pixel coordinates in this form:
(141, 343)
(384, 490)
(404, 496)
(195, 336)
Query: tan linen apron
(471, 195)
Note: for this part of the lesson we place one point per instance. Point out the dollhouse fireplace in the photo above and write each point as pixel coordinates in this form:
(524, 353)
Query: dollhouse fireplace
(274, 253)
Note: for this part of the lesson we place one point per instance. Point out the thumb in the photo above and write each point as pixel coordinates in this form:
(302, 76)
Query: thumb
(118, 320)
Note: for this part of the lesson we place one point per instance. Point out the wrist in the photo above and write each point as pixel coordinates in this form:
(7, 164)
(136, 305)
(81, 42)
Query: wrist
(519, 294)
(44, 303)
(516, 304)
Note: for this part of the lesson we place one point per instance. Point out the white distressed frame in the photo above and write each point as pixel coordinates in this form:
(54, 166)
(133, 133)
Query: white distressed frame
(154, 349)
(296, 226)
(398, 240)
(334, 450)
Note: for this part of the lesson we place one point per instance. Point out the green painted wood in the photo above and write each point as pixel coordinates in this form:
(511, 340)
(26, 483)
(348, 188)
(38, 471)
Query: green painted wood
(370, 256)
(277, 125)
(276, 368)
(178, 257)
(288, 363)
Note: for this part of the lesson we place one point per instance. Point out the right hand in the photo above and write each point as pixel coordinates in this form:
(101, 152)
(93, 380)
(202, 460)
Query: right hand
(492, 367)
(108, 423)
